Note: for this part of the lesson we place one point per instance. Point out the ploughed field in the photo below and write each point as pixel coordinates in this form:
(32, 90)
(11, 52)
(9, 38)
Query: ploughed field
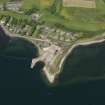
(79, 3)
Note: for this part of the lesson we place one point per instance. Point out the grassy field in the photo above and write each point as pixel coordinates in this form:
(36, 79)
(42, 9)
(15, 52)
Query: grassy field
(3, 1)
(71, 18)
(80, 19)
(79, 3)
(72, 12)
(40, 4)
(74, 25)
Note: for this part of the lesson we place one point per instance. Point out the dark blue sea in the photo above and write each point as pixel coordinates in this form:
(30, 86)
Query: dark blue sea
(80, 83)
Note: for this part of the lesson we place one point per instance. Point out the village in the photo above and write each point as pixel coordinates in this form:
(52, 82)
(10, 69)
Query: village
(34, 28)
(52, 39)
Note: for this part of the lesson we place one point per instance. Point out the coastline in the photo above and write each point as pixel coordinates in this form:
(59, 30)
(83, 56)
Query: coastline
(51, 77)
(70, 50)
(76, 45)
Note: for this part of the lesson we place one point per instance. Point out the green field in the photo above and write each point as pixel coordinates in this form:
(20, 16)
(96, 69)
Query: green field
(40, 4)
(86, 15)
(3, 1)
(72, 18)
(81, 19)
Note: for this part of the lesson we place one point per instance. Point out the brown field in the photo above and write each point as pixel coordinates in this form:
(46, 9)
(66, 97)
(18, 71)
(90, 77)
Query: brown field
(79, 3)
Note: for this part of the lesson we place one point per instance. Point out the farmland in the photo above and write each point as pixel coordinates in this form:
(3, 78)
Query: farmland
(85, 19)
(70, 18)
(36, 3)
(79, 3)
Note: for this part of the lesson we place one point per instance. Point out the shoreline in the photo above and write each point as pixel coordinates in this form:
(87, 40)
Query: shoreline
(51, 77)
(76, 45)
